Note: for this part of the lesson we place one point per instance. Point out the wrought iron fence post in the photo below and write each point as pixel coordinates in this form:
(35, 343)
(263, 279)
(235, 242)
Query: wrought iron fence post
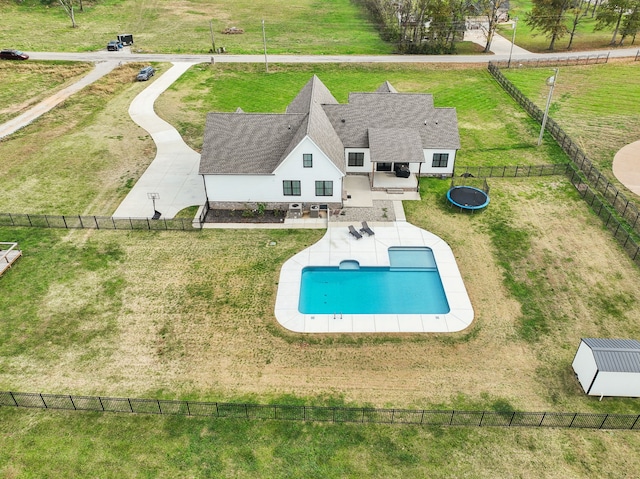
(16, 402)
(159, 407)
(100, 401)
(603, 421)
(72, 403)
(574, 418)
(130, 406)
(188, 410)
(43, 401)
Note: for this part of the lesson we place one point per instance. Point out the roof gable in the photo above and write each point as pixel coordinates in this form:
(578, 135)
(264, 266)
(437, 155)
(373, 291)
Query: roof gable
(246, 143)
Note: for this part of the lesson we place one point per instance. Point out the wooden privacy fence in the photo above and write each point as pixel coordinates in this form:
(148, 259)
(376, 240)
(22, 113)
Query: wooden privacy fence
(96, 222)
(322, 414)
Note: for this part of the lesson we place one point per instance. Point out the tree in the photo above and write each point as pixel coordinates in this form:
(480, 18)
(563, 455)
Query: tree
(491, 9)
(631, 23)
(611, 13)
(549, 16)
(68, 7)
(577, 12)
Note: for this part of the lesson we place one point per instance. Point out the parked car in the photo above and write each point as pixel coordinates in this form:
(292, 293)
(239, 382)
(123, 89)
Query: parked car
(113, 46)
(145, 73)
(13, 55)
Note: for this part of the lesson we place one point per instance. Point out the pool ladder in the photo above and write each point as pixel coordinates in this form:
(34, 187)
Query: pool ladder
(335, 316)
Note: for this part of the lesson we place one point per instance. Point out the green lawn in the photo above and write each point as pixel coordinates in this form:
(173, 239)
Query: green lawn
(189, 315)
(304, 26)
(596, 105)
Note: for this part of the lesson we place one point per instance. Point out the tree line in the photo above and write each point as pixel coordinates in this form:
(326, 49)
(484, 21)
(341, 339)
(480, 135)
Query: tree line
(433, 26)
(557, 19)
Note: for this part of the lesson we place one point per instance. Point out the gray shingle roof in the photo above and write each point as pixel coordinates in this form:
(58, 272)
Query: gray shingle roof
(437, 127)
(246, 143)
(241, 143)
(615, 355)
(390, 145)
(386, 87)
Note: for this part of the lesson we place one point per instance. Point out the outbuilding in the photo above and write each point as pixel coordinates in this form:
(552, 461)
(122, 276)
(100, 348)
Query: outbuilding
(608, 367)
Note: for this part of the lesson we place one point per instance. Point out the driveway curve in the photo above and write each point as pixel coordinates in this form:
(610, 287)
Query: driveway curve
(173, 173)
(20, 121)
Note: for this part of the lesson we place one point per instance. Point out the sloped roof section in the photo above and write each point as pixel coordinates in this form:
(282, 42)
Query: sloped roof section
(395, 145)
(386, 87)
(615, 355)
(437, 127)
(313, 92)
(246, 143)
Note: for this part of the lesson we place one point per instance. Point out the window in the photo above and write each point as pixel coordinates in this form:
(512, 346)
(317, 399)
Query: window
(324, 188)
(355, 159)
(291, 187)
(307, 160)
(440, 160)
(383, 166)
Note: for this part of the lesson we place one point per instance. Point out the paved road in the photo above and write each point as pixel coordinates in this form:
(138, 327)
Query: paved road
(126, 56)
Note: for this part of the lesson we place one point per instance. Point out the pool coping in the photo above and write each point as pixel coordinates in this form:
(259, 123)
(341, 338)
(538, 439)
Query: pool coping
(338, 245)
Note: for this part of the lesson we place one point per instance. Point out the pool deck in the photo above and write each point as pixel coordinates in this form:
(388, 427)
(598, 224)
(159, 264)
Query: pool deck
(338, 245)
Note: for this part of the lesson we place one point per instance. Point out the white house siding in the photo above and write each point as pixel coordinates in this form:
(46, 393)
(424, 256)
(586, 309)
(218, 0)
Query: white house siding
(365, 168)
(616, 384)
(428, 170)
(269, 188)
(584, 366)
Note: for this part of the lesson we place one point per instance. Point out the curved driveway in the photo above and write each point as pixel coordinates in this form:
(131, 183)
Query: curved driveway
(173, 174)
(20, 121)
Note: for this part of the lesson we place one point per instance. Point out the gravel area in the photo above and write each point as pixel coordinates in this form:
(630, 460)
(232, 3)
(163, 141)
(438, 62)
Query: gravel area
(380, 211)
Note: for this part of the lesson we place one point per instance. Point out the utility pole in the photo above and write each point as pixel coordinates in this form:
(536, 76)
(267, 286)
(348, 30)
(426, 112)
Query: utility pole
(264, 40)
(551, 81)
(513, 40)
(213, 42)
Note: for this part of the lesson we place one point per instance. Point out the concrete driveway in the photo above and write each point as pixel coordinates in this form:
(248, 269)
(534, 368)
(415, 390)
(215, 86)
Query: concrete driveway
(173, 174)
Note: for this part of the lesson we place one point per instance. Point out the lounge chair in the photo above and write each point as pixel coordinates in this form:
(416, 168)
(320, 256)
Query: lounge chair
(353, 232)
(365, 229)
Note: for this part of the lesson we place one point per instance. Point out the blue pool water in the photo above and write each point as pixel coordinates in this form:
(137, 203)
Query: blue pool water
(410, 285)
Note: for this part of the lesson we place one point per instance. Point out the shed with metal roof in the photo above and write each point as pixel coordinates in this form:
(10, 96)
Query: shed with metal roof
(608, 367)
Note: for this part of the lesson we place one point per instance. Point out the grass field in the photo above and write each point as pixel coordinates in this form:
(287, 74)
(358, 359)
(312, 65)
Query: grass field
(596, 105)
(533, 40)
(190, 315)
(304, 26)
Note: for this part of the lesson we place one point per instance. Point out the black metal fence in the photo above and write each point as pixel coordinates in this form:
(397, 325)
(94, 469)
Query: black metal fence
(549, 61)
(96, 222)
(614, 198)
(322, 414)
(511, 171)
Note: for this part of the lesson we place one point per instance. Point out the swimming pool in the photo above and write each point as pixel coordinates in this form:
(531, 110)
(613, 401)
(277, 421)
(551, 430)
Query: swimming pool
(392, 249)
(410, 284)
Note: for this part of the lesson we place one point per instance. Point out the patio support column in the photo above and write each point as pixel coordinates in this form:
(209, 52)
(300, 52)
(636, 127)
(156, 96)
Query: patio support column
(373, 172)
(418, 177)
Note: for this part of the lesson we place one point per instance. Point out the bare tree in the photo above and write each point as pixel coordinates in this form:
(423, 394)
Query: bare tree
(577, 11)
(68, 8)
(491, 9)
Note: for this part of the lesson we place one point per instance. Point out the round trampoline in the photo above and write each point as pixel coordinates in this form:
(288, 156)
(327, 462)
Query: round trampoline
(468, 197)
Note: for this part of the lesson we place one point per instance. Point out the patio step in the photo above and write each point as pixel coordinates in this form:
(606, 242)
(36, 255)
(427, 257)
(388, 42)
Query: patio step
(395, 191)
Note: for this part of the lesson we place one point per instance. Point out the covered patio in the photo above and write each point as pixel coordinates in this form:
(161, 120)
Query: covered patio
(396, 159)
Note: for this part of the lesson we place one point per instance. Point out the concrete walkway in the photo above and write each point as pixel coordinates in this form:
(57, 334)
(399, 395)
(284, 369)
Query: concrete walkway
(100, 70)
(173, 174)
(626, 166)
(499, 45)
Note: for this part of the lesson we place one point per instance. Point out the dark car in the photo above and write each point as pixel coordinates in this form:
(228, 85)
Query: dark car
(13, 55)
(113, 46)
(145, 74)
